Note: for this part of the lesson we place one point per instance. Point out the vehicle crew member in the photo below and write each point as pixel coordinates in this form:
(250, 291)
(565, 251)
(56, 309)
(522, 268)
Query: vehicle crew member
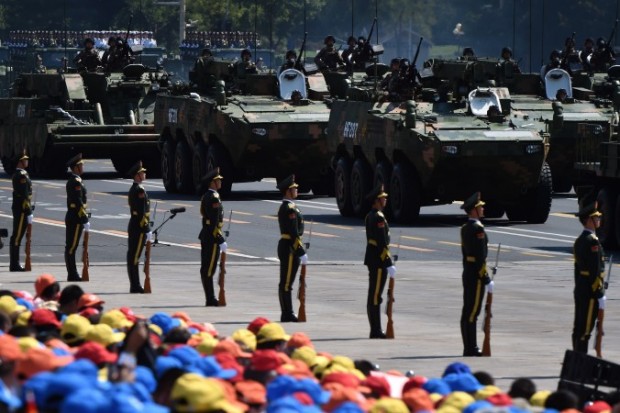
(88, 59)
(474, 248)
(589, 292)
(22, 210)
(328, 57)
(139, 228)
(76, 218)
(291, 250)
(507, 68)
(245, 66)
(377, 259)
(291, 62)
(212, 240)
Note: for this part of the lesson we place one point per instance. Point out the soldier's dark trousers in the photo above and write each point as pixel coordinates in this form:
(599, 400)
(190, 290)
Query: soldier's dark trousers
(376, 283)
(72, 241)
(135, 245)
(20, 223)
(586, 311)
(473, 294)
(289, 264)
(209, 255)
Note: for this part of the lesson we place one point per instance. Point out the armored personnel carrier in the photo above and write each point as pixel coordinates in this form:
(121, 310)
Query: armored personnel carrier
(261, 125)
(102, 115)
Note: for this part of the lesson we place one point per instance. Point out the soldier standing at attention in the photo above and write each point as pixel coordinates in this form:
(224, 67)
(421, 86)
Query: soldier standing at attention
(139, 228)
(377, 259)
(474, 248)
(211, 238)
(76, 218)
(291, 250)
(589, 292)
(22, 211)
(328, 57)
(88, 59)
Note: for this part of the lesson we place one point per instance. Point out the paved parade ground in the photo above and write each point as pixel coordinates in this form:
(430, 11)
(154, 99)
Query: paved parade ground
(532, 312)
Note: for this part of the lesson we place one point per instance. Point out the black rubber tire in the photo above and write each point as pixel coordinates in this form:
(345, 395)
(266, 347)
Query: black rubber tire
(404, 200)
(562, 184)
(606, 200)
(538, 203)
(167, 166)
(361, 185)
(199, 167)
(218, 157)
(493, 209)
(183, 178)
(122, 164)
(342, 187)
(325, 185)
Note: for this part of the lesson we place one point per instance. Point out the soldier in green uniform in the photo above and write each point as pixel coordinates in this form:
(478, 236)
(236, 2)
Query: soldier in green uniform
(377, 259)
(76, 218)
(22, 210)
(139, 228)
(212, 240)
(88, 59)
(328, 58)
(474, 248)
(291, 250)
(589, 292)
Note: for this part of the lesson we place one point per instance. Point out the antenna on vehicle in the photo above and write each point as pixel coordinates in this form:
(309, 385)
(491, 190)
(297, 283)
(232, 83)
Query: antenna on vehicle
(305, 31)
(542, 36)
(255, 20)
(514, 25)
(530, 36)
(64, 17)
(352, 17)
(377, 17)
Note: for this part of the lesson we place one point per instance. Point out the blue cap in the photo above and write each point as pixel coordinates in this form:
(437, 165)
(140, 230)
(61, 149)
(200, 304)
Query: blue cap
(165, 363)
(185, 354)
(436, 386)
(290, 404)
(125, 403)
(145, 376)
(8, 398)
(477, 405)
(463, 382)
(60, 385)
(314, 390)
(59, 351)
(456, 367)
(85, 401)
(165, 322)
(37, 384)
(25, 303)
(209, 367)
(348, 407)
(134, 389)
(280, 387)
(85, 367)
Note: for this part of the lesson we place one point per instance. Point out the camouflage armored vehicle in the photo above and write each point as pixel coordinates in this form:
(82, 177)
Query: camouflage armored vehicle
(261, 125)
(52, 116)
(436, 151)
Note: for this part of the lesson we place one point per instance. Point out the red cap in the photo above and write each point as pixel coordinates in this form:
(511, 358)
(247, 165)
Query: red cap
(349, 380)
(89, 300)
(89, 311)
(415, 382)
(257, 323)
(129, 314)
(96, 353)
(418, 400)
(265, 360)
(299, 340)
(500, 399)
(44, 281)
(597, 407)
(44, 317)
(228, 361)
(378, 385)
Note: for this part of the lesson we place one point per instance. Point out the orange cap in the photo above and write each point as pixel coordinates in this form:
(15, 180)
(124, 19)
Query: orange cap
(231, 347)
(9, 348)
(89, 300)
(37, 360)
(44, 281)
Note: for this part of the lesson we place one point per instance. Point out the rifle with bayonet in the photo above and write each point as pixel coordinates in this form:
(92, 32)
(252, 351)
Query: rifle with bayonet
(301, 314)
(389, 330)
(147, 256)
(222, 278)
(302, 49)
(85, 260)
(28, 262)
(598, 342)
(486, 344)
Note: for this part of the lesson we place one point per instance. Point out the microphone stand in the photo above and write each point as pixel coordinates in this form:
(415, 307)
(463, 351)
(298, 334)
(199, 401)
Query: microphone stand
(156, 231)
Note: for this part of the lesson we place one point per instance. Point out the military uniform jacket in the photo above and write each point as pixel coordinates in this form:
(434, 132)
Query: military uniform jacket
(212, 213)
(589, 266)
(88, 59)
(76, 199)
(377, 240)
(22, 192)
(139, 208)
(474, 247)
(291, 226)
(328, 58)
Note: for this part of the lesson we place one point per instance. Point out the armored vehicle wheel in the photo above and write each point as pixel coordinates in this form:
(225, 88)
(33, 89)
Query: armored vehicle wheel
(183, 169)
(516, 212)
(167, 166)
(539, 198)
(361, 185)
(199, 166)
(342, 186)
(606, 233)
(562, 184)
(325, 184)
(217, 156)
(404, 200)
(8, 165)
(493, 209)
(617, 219)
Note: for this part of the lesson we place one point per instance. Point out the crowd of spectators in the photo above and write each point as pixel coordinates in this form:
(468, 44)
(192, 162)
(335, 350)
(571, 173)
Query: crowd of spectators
(58, 38)
(196, 41)
(64, 351)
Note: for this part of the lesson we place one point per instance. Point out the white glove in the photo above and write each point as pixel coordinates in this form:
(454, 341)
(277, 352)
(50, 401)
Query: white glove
(87, 227)
(223, 246)
(391, 270)
(30, 218)
(490, 287)
(601, 302)
(149, 236)
(304, 259)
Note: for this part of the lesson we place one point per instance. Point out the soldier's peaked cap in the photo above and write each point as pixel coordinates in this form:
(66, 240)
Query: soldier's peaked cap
(211, 175)
(136, 169)
(588, 206)
(286, 183)
(377, 192)
(472, 202)
(76, 160)
(22, 156)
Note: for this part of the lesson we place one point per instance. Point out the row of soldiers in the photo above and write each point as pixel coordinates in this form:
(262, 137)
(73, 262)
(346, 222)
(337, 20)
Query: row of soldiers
(201, 39)
(115, 58)
(60, 38)
(589, 291)
(589, 59)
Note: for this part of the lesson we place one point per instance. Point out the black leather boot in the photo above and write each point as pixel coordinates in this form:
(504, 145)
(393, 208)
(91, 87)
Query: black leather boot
(72, 272)
(374, 317)
(288, 315)
(14, 254)
(210, 293)
(134, 280)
